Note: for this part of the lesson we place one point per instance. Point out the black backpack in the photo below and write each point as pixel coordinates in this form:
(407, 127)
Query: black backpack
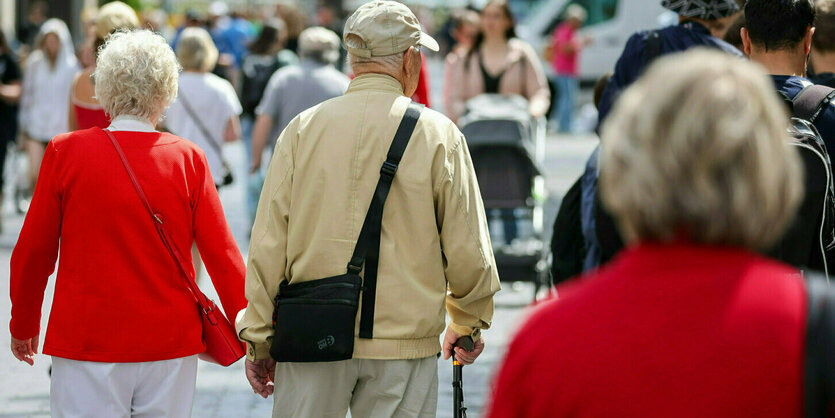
(810, 241)
(256, 75)
(568, 247)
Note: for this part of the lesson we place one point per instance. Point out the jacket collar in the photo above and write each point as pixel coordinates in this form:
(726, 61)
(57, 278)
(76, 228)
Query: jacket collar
(375, 82)
(695, 27)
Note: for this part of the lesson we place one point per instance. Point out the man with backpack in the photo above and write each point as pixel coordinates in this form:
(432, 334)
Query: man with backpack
(778, 35)
(702, 23)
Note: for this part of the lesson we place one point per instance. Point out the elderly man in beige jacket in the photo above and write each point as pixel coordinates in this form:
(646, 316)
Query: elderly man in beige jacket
(435, 255)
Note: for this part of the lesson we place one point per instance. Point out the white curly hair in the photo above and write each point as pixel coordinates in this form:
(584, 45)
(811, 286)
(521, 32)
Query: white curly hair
(136, 74)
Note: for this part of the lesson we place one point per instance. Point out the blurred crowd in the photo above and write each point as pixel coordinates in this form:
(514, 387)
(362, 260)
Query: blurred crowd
(231, 60)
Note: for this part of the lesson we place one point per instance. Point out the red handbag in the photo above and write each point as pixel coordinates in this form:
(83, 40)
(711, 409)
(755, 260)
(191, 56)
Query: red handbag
(222, 344)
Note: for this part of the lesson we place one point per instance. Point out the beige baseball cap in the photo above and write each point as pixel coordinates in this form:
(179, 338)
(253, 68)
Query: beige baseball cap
(386, 28)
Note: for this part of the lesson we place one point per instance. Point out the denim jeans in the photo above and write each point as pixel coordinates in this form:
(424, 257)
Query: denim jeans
(563, 112)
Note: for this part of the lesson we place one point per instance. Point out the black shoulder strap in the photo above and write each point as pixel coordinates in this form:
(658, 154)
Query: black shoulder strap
(819, 363)
(653, 47)
(810, 102)
(367, 250)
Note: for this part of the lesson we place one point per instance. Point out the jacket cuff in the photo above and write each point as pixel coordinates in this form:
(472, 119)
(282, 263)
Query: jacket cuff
(257, 351)
(463, 331)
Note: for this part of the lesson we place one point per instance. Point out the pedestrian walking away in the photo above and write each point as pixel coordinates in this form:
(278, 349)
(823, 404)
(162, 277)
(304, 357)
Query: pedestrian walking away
(374, 255)
(688, 321)
(84, 110)
(565, 50)
(10, 91)
(822, 56)
(701, 23)
(290, 91)
(124, 331)
(46, 81)
(778, 35)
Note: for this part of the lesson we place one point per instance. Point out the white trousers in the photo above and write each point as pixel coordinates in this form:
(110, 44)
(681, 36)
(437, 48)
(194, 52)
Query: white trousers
(116, 390)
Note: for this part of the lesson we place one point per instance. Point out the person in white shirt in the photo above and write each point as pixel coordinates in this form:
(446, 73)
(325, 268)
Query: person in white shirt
(46, 84)
(207, 107)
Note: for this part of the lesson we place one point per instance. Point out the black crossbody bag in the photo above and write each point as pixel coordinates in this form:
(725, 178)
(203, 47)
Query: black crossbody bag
(315, 320)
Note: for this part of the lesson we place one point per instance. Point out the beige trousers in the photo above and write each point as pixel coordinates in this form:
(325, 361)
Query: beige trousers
(370, 388)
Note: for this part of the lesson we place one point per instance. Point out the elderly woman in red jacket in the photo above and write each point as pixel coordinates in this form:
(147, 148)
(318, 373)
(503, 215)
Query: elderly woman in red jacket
(688, 321)
(124, 331)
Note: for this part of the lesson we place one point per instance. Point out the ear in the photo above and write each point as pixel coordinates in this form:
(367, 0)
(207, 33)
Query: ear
(408, 57)
(746, 41)
(807, 40)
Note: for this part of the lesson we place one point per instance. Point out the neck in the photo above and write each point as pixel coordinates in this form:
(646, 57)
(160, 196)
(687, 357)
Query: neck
(494, 42)
(823, 62)
(399, 77)
(782, 62)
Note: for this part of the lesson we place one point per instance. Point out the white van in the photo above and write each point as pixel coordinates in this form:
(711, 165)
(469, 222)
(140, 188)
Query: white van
(610, 23)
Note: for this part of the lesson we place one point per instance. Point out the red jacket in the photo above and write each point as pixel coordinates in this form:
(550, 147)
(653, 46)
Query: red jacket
(118, 294)
(663, 331)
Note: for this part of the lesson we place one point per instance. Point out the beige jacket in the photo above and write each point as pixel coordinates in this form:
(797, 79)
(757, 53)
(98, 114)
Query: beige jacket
(523, 76)
(435, 252)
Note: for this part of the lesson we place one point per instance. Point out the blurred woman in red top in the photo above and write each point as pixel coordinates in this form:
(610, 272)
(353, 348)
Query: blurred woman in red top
(85, 111)
(689, 321)
(124, 331)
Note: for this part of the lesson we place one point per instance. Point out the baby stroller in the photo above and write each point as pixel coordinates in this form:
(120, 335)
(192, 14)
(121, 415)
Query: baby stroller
(507, 147)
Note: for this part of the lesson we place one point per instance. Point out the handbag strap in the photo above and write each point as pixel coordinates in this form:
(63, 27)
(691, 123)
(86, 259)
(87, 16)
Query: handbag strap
(367, 250)
(203, 130)
(205, 304)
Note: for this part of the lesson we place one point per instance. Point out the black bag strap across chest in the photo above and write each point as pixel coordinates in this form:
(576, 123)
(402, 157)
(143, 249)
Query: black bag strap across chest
(367, 250)
(653, 47)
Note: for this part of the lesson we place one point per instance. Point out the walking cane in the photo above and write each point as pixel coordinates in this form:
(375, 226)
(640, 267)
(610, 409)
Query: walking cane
(459, 409)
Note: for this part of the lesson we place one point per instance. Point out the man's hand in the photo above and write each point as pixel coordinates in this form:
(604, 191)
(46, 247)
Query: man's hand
(463, 357)
(261, 376)
(25, 350)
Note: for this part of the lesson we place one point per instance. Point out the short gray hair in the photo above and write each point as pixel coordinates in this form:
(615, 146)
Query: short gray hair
(698, 146)
(391, 63)
(136, 74)
(196, 50)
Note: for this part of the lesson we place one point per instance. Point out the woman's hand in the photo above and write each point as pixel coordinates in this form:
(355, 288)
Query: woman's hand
(261, 373)
(25, 350)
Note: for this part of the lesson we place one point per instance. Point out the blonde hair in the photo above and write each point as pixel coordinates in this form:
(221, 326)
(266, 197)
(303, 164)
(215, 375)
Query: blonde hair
(196, 50)
(136, 74)
(114, 16)
(698, 147)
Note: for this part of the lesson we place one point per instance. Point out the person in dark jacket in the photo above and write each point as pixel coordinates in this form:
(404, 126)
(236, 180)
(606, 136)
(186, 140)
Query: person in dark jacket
(702, 23)
(778, 35)
(822, 57)
(266, 56)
